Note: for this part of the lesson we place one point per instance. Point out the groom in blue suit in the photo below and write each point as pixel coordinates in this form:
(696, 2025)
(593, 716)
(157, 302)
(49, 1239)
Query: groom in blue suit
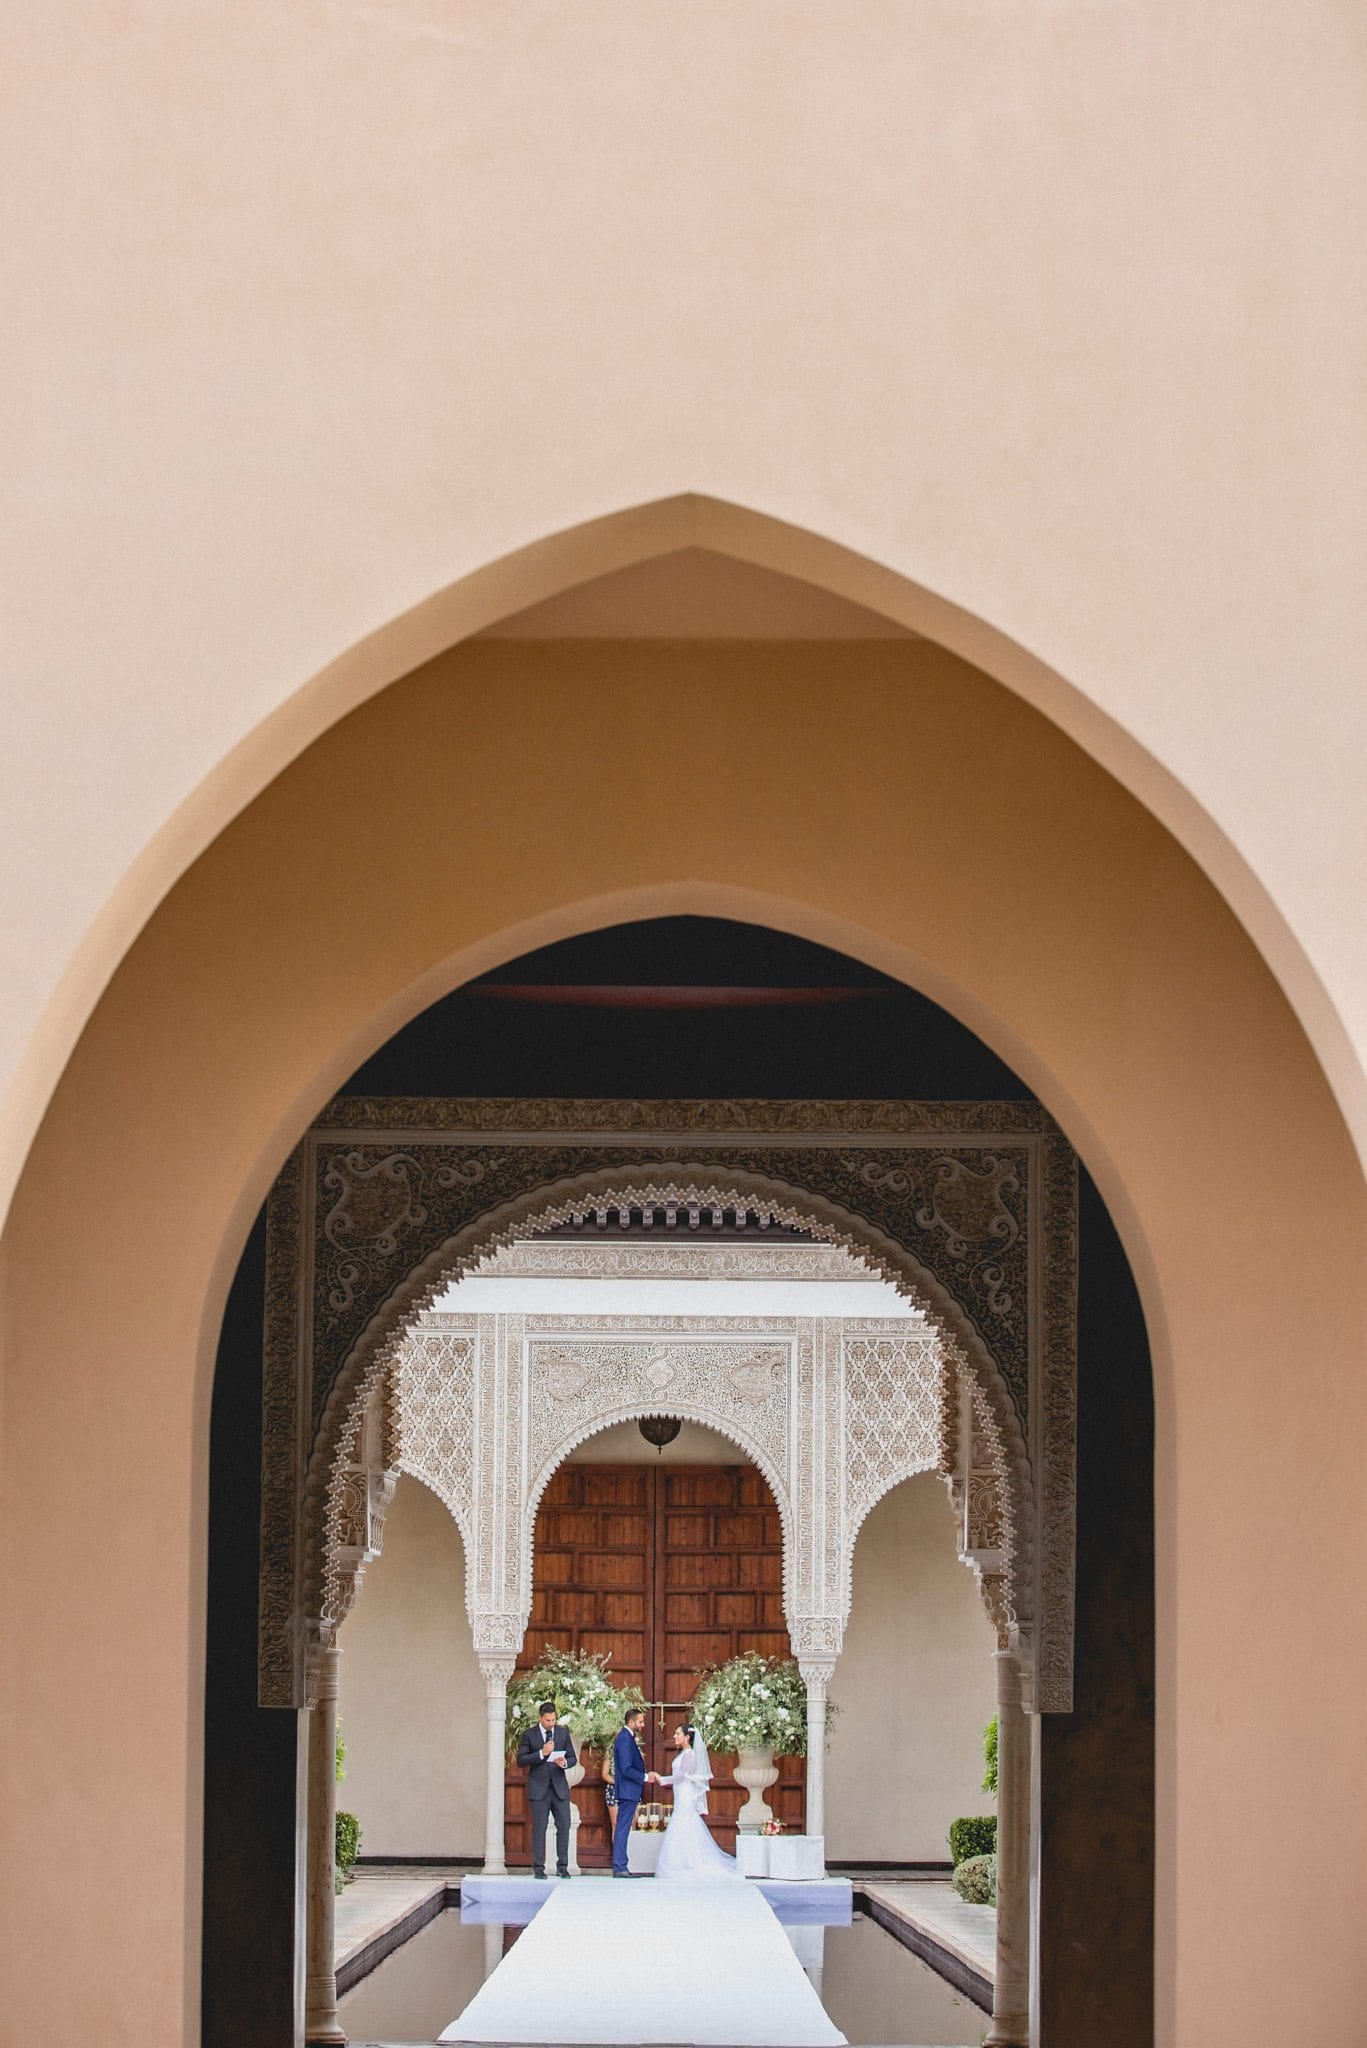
(630, 1777)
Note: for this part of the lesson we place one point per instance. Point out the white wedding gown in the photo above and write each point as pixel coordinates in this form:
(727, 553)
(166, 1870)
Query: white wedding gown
(688, 1850)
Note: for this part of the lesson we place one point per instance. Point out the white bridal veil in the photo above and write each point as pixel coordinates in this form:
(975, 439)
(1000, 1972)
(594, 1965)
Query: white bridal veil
(701, 1769)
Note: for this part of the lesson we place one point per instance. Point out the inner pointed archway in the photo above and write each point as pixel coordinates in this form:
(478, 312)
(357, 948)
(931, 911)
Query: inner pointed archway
(383, 1176)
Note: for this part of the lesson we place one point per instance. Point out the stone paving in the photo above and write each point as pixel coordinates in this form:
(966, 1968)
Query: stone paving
(936, 1911)
(376, 1901)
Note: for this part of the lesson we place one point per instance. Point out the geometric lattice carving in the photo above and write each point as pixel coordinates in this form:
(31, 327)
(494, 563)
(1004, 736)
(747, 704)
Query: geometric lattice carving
(892, 1415)
(434, 1405)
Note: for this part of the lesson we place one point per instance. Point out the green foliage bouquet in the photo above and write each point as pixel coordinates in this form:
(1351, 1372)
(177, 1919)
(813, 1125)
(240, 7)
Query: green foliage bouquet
(753, 1702)
(585, 1697)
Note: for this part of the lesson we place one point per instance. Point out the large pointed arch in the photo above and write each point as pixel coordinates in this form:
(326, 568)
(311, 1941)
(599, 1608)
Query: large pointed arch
(546, 566)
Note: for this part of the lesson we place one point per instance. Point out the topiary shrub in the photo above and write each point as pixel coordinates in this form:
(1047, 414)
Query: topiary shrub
(975, 1880)
(975, 1836)
(348, 1846)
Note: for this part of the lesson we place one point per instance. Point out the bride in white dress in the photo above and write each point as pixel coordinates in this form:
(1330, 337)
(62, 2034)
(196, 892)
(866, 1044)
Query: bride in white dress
(688, 1849)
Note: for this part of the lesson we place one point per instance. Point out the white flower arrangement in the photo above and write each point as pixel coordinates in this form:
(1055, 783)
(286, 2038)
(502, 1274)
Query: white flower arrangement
(587, 1701)
(753, 1702)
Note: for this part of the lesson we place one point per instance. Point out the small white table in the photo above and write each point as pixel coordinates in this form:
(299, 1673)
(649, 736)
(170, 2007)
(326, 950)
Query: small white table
(643, 1850)
(752, 1855)
(800, 1857)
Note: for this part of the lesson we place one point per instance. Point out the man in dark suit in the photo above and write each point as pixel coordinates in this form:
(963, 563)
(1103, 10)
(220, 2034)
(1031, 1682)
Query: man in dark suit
(546, 1753)
(630, 1778)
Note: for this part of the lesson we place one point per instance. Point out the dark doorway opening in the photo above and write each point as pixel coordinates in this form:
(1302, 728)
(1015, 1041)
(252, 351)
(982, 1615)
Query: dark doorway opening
(695, 1007)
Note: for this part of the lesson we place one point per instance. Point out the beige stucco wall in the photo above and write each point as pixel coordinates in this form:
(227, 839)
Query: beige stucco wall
(880, 797)
(412, 1699)
(1049, 317)
(917, 1661)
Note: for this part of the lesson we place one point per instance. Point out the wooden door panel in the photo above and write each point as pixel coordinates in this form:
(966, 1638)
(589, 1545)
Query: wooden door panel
(701, 1486)
(719, 1564)
(682, 1570)
(574, 1610)
(662, 1569)
(687, 1610)
(614, 1486)
(616, 1568)
(570, 1530)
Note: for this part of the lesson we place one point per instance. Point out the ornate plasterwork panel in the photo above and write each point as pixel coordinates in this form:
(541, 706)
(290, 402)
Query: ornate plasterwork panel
(834, 1411)
(892, 1413)
(670, 1259)
(574, 1382)
(969, 1209)
(436, 1413)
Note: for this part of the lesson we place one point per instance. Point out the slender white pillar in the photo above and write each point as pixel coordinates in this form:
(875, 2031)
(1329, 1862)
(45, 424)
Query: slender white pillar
(497, 1671)
(816, 1672)
(320, 1996)
(1011, 1995)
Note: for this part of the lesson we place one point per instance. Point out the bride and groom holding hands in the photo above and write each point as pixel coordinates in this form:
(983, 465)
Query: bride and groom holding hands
(688, 1849)
(547, 1753)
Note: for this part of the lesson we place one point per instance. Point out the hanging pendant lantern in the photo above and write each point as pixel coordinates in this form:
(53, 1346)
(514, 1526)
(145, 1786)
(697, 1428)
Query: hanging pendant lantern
(659, 1429)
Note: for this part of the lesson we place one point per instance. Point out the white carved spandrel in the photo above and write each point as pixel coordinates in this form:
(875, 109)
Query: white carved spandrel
(892, 1415)
(434, 1402)
(575, 1384)
(833, 1410)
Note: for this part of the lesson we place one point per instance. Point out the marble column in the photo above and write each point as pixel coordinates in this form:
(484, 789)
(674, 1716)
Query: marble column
(1011, 1996)
(816, 1672)
(321, 2022)
(497, 1671)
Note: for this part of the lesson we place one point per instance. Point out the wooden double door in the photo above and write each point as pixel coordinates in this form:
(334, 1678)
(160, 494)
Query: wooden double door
(663, 1569)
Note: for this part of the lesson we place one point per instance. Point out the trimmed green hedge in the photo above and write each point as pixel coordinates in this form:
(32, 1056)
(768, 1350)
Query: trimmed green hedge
(975, 1836)
(975, 1880)
(348, 1846)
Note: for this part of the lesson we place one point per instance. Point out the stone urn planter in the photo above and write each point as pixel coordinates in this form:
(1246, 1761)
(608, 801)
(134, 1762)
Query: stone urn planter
(574, 1777)
(757, 1771)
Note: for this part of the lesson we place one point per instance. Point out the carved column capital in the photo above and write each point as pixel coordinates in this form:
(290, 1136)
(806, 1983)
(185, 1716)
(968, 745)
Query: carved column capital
(496, 1672)
(321, 1656)
(817, 1670)
(499, 1635)
(814, 1636)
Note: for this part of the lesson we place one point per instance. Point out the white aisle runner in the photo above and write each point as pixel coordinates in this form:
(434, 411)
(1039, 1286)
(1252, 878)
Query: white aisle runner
(606, 1962)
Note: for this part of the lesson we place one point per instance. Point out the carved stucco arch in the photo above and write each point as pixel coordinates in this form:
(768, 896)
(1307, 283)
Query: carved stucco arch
(414, 1466)
(328, 1590)
(636, 1411)
(854, 1528)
